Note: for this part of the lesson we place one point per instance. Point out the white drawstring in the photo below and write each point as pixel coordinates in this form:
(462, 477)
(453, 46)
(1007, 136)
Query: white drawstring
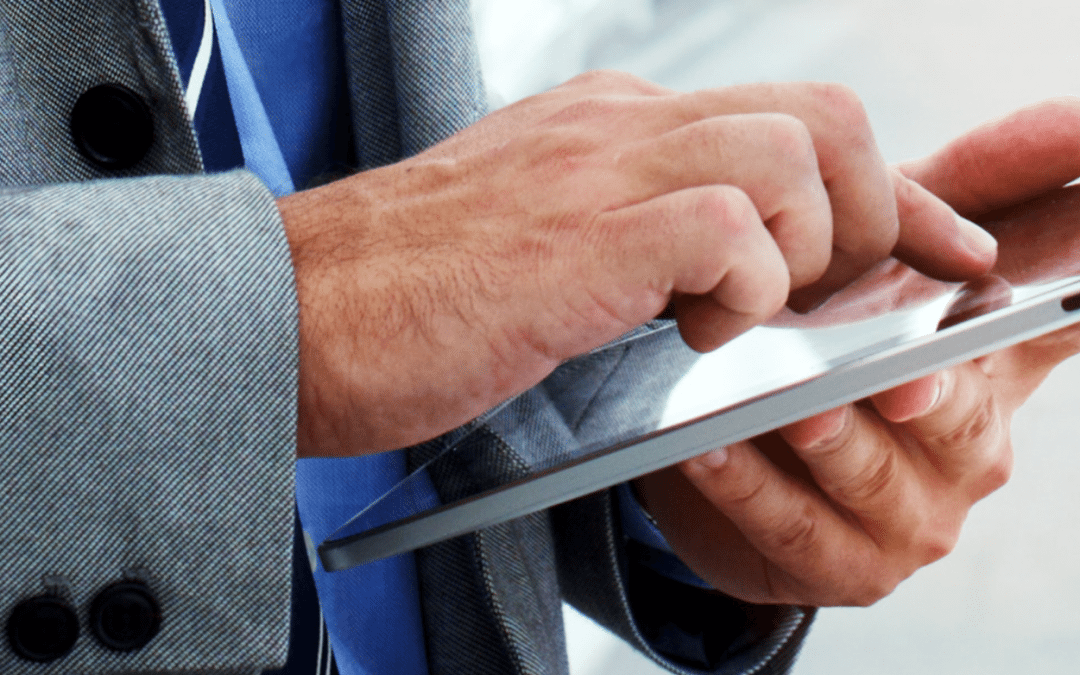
(202, 61)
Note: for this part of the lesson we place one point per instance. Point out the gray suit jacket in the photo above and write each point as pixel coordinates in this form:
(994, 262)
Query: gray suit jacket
(148, 346)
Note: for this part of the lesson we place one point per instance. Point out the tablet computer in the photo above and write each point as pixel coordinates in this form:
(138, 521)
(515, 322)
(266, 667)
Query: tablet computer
(890, 327)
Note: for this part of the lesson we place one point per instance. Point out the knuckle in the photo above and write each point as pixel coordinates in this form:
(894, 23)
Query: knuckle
(744, 491)
(934, 544)
(727, 205)
(864, 581)
(843, 107)
(870, 483)
(589, 77)
(911, 206)
(615, 81)
(725, 214)
(872, 590)
(798, 535)
(586, 109)
(996, 473)
(999, 472)
(982, 424)
(790, 138)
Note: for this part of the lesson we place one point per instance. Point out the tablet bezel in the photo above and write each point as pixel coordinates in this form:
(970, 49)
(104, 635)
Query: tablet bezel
(848, 382)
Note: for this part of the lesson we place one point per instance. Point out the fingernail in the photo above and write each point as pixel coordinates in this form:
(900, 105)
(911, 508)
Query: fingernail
(713, 459)
(978, 240)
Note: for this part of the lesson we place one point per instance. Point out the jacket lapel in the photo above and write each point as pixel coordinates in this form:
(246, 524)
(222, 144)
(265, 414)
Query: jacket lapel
(51, 52)
(413, 75)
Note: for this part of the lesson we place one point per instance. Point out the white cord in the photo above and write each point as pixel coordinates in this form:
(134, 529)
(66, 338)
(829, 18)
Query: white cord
(202, 61)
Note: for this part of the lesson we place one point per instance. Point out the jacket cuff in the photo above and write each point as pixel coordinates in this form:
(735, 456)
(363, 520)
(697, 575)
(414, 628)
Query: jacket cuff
(148, 333)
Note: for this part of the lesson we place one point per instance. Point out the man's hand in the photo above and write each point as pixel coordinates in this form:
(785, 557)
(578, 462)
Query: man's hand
(435, 288)
(840, 508)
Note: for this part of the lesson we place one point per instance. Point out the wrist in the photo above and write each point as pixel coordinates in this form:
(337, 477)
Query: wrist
(316, 223)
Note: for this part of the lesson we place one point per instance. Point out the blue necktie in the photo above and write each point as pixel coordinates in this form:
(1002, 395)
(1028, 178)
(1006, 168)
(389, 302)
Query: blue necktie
(294, 54)
(262, 154)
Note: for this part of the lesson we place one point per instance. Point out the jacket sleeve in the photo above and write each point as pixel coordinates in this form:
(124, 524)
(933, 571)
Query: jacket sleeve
(148, 353)
(611, 577)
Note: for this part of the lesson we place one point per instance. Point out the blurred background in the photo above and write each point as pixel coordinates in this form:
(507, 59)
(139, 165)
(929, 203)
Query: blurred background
(926, 70)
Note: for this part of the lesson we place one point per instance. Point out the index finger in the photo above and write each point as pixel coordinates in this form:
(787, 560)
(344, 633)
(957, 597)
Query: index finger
(876, 211)
(858, 182)
(935, 240)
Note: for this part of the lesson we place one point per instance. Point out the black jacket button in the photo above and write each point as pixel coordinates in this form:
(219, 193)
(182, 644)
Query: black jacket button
(124, 616)
(42, 628)
(112, 126)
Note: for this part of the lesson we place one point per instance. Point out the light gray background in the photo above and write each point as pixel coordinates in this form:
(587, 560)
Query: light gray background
(926, 70)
